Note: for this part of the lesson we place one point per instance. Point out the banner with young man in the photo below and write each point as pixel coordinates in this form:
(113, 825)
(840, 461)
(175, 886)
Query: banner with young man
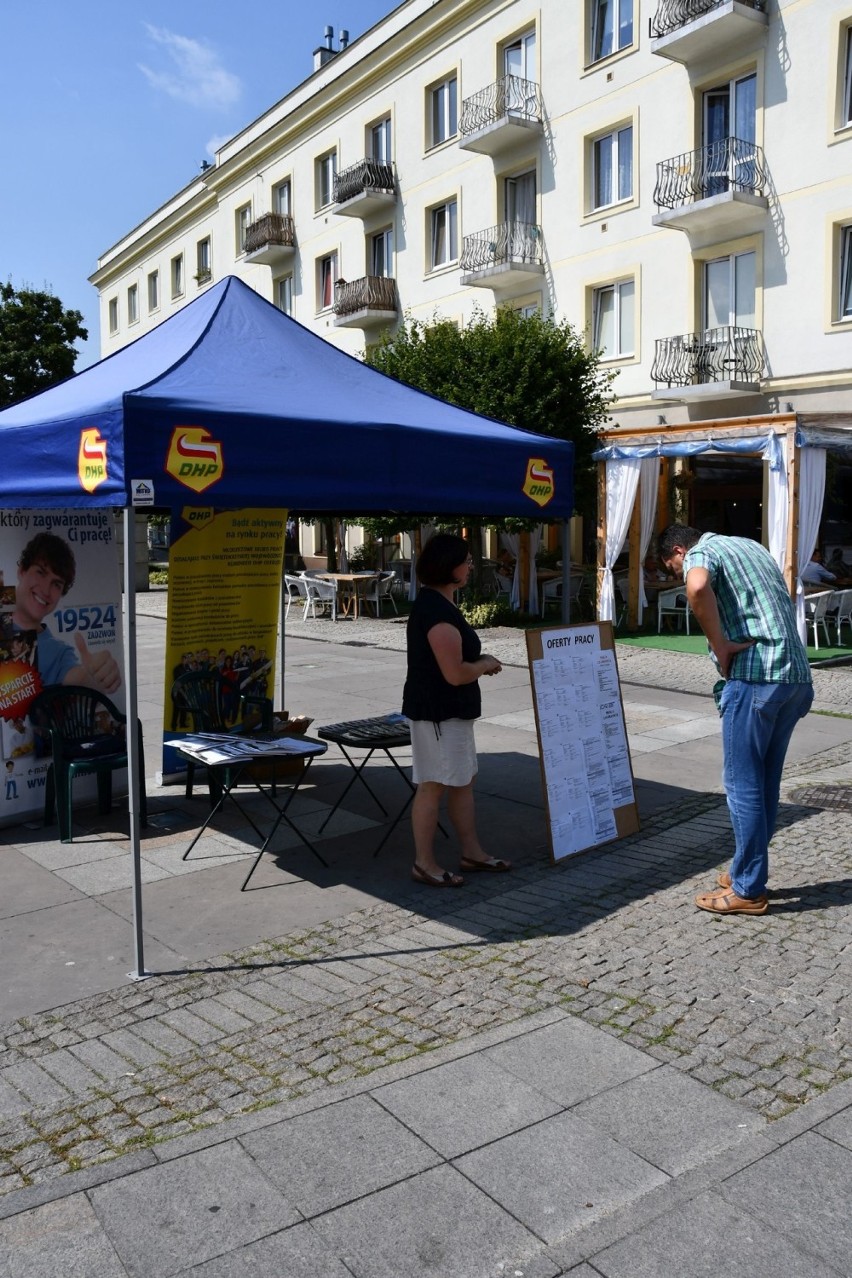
(60, 623)
(225, 570)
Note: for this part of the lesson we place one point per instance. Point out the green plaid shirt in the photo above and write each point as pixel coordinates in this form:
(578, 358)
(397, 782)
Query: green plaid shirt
(753, 604)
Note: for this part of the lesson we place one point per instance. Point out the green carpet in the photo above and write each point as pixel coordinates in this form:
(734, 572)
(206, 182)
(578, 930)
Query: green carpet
(697, 643)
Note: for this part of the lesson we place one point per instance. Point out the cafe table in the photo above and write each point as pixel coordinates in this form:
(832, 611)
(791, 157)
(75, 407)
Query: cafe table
(350, 589)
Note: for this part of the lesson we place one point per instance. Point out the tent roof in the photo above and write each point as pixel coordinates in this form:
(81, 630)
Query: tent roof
(230, 402)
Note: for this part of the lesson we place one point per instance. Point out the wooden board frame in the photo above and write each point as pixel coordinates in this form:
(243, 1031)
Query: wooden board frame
(600, 635)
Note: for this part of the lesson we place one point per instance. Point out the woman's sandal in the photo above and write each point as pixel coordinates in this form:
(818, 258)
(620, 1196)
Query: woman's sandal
(435, 880)
(727, 902)
(491, 864)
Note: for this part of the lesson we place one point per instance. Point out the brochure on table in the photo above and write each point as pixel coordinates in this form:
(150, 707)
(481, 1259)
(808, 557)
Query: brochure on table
(585, 760)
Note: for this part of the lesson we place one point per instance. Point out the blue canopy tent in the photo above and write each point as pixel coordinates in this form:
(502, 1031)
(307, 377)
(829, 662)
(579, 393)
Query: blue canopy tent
(230, 402)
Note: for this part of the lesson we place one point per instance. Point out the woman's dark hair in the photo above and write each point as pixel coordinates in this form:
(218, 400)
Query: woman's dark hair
(56, 554)
(440, 557)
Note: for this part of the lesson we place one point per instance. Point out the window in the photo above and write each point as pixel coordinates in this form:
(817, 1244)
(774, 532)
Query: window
(729, 291)
(242, 222)
(613, 319)
(730, 111)
(381, 254)
(519, 198)
(113, 314)
(326, 172)
(380, 142)
(202, 260)
(133, 304)
(154, 291)
(610, 28)
(444, 236)
(326, 280)
(528, 309)
(282, 198)
(846, 117)
(284, 294)
(519, 57)
(443, 111)
(177, 275)
(612, 168)
(845, 291)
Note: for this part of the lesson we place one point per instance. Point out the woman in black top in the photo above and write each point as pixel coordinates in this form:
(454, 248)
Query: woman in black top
(441, 699)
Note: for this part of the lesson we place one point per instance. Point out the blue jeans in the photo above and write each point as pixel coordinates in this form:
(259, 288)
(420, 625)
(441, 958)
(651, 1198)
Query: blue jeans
(757, 723)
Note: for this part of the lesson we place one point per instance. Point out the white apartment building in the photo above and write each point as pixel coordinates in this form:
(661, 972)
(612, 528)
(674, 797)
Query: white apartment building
(674, 177)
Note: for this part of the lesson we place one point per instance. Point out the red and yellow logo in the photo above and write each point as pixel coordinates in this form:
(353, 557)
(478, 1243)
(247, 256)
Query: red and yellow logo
(539, 481)
(194, 458)
(92, 458)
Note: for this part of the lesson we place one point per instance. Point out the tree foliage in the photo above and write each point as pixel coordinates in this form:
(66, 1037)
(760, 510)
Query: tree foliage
(37, 335)
(526, 370)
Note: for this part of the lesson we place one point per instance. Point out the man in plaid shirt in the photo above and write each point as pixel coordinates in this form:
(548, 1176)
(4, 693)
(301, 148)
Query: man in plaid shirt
(737, 593)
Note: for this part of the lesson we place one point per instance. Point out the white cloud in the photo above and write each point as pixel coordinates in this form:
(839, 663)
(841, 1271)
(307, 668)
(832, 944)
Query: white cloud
(218, 140)
(193, 72)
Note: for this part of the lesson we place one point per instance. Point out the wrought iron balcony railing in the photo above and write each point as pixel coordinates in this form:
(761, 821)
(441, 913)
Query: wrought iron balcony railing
(366, 175)
(671, 15)
(518, 242)
(370, 293)
(271, 228)
(510, 96)
(729, 354)
(728, 165)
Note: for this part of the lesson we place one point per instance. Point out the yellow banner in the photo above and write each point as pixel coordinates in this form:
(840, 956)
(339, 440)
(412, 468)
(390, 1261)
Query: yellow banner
(225, 572)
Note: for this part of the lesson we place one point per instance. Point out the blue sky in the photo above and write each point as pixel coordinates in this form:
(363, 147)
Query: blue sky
(107, 108)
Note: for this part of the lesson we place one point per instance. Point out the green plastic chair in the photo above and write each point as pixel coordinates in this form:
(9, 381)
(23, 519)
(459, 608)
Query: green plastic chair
(88, 737)
(200, 696)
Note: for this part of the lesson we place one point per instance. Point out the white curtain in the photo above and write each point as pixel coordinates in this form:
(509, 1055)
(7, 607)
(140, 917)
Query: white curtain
(811, 495)
(622, 480)
(512, 543)
(412, 581)
(533, 605)
(343, 564)
(649, 482)
(779, 505)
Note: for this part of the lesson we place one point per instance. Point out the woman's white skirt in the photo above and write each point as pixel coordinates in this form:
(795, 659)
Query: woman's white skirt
(444, 753)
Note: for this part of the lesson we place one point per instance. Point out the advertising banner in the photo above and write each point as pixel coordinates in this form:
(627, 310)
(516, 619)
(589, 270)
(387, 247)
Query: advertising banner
(60, 622)
(225, 571)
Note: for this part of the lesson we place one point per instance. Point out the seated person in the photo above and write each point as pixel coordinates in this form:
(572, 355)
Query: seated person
(815, 572)
(652, 571)
(505, 563)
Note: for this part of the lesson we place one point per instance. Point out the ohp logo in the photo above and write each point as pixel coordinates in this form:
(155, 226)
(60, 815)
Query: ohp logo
(539, 481)
(194, 458)
(92, 458)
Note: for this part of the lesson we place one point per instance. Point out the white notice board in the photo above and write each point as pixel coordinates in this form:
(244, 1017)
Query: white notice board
(585, 760)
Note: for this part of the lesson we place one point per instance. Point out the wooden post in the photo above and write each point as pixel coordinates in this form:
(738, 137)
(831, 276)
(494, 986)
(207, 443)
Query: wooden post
(524, 575)
(663, 513)
(601, 537)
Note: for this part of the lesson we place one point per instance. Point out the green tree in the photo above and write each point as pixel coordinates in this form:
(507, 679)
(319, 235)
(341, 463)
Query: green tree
(527, 370)
(36, 342)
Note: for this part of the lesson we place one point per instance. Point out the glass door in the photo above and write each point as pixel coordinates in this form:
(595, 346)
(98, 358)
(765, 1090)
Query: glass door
(519, 68)
(729, 136)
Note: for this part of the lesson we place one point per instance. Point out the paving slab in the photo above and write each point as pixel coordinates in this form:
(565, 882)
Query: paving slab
(167, 1218)
(337, 1154)
(465, 1104)
(297, 1252)
(670, 1119)
(63, 1237)
(560, 1175)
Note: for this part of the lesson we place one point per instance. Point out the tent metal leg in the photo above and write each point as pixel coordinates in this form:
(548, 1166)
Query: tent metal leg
(133, 752)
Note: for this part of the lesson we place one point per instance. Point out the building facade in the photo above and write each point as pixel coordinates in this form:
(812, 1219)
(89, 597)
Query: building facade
(674, 177)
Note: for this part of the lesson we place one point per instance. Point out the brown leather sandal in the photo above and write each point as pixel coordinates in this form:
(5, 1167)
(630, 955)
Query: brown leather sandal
(491, 864)
(443, 880)
(727, 902)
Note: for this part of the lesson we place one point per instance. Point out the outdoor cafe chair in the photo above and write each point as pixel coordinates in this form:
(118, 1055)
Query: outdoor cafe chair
(380, 590)
(672, 603)
(321, 594)
(295, 590)
(816, 607)
(843, 614)
(82, 744)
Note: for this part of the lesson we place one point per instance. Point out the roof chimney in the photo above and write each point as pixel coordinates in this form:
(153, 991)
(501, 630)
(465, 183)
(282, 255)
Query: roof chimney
(326, 51)
(343, 37)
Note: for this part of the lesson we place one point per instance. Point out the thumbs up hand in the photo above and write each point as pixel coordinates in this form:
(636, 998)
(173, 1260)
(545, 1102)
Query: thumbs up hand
(100, 668)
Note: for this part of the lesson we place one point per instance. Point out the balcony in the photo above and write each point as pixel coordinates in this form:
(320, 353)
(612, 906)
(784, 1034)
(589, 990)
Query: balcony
(718, 363)
(502, 256)
(500, 116)
(706, 30)
(365, 303)
(271, 239)
(718, 188)
(364, 188)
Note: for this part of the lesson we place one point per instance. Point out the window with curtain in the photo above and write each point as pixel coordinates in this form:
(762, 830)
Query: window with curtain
(154, 291)
(443, 110)
(610, 27)
(177, 275)
(202, 259)
(113, 314)
(520, 198)
(282, 198)
(326, 280)
(284, 294)
(326, 172)
(729, 291)
(612, 167)
(444, 237)
(845, 308)
(613, 319)
(242, 222)
(380, 141)
(381, 254)
(133, 304)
